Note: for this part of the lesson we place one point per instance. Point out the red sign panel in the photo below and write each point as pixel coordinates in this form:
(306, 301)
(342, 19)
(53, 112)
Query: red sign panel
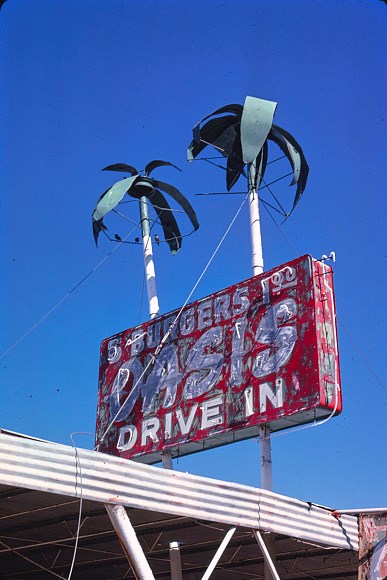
(260, 352)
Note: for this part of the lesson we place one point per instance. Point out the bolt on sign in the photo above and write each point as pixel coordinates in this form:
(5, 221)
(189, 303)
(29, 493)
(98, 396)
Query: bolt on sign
(260, 352)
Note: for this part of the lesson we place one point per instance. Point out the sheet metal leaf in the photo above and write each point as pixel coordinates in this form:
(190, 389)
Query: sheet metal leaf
(112, 197)
(98, 226)
(158, 163)
(304, 170)
(288, 149)
(235, 109)
(209, 134)
(181, 200)
(123, 167)
(171, 230)
(260, 164)
(257, 119)
(235, 164)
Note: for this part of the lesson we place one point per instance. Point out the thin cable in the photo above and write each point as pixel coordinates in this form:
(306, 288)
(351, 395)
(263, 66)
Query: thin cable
(172, 326)
(60, 302)
(77, 464)
(269, 205)
(272, 194)
(244, 192)
(361, 353)
(280, 231)
(136, 224)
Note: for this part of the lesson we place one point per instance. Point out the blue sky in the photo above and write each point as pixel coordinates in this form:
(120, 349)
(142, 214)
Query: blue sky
(86, 84)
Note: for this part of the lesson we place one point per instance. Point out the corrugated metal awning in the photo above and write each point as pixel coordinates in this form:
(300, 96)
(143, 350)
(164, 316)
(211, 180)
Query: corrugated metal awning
(41, 484)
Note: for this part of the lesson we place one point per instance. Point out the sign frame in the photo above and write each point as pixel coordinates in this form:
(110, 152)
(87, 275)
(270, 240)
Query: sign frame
(263, 351)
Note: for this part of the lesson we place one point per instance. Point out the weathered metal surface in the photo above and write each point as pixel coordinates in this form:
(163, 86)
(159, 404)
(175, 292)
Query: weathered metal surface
(102, 478)
(260, 352)
(140, 186)
(241, 135)
(373, 547)
(256, 122)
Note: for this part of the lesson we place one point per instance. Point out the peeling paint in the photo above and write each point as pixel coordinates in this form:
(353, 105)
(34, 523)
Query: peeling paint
(373, 547)
(257, 352)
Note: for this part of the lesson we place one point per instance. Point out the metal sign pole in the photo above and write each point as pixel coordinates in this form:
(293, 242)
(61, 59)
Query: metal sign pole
(257, 264)
(150, 274)
(266, 478)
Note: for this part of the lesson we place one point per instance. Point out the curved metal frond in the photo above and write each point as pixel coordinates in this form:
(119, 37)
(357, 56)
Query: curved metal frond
(98, 226)
(209, 134)
(112, 197)
(168, 222)
(256, 122)
(180, 199)
(234, 109)
(296, 157)
(158, 163)
(123, 167)
(240, 133)
(260, 165)
(138, 186)
(235, 164)
(287, 148)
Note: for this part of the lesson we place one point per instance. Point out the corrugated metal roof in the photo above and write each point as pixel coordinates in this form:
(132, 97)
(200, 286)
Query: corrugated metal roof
(37, 538)
(63, 470)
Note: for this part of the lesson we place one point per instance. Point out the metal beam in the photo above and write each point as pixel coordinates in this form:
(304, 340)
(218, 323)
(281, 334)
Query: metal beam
(219, 553)
(129, 542)
(266, 555)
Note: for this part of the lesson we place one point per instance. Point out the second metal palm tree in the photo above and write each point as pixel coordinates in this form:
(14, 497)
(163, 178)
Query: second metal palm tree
(145, 188)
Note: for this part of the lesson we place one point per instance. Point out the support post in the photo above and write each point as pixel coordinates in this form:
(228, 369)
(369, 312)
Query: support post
(166, 458)
(129, 542)
(175, 560)
(257, 263)
(265, 456)
(266, 472)
(150, 274)
(219, 553)
(255, 228)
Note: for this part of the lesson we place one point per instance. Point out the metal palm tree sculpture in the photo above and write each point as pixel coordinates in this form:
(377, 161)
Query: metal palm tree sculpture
(144, 188)
(241, 134)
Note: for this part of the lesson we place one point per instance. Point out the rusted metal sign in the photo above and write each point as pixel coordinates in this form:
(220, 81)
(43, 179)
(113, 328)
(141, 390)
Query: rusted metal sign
(373, 546)
(260, 352)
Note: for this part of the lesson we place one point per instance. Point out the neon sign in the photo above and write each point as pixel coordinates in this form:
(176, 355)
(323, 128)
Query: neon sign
(260, 352)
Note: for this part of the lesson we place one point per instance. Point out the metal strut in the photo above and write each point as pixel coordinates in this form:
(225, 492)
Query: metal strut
(218, 553)
(268, 560)
(129, 542)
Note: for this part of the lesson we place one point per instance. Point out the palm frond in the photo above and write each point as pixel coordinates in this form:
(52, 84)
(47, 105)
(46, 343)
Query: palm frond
(123, 167)
(112, 197)
(240, 133)
(168, 222)
(158, 163)
(256, 122)
(181, 200)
